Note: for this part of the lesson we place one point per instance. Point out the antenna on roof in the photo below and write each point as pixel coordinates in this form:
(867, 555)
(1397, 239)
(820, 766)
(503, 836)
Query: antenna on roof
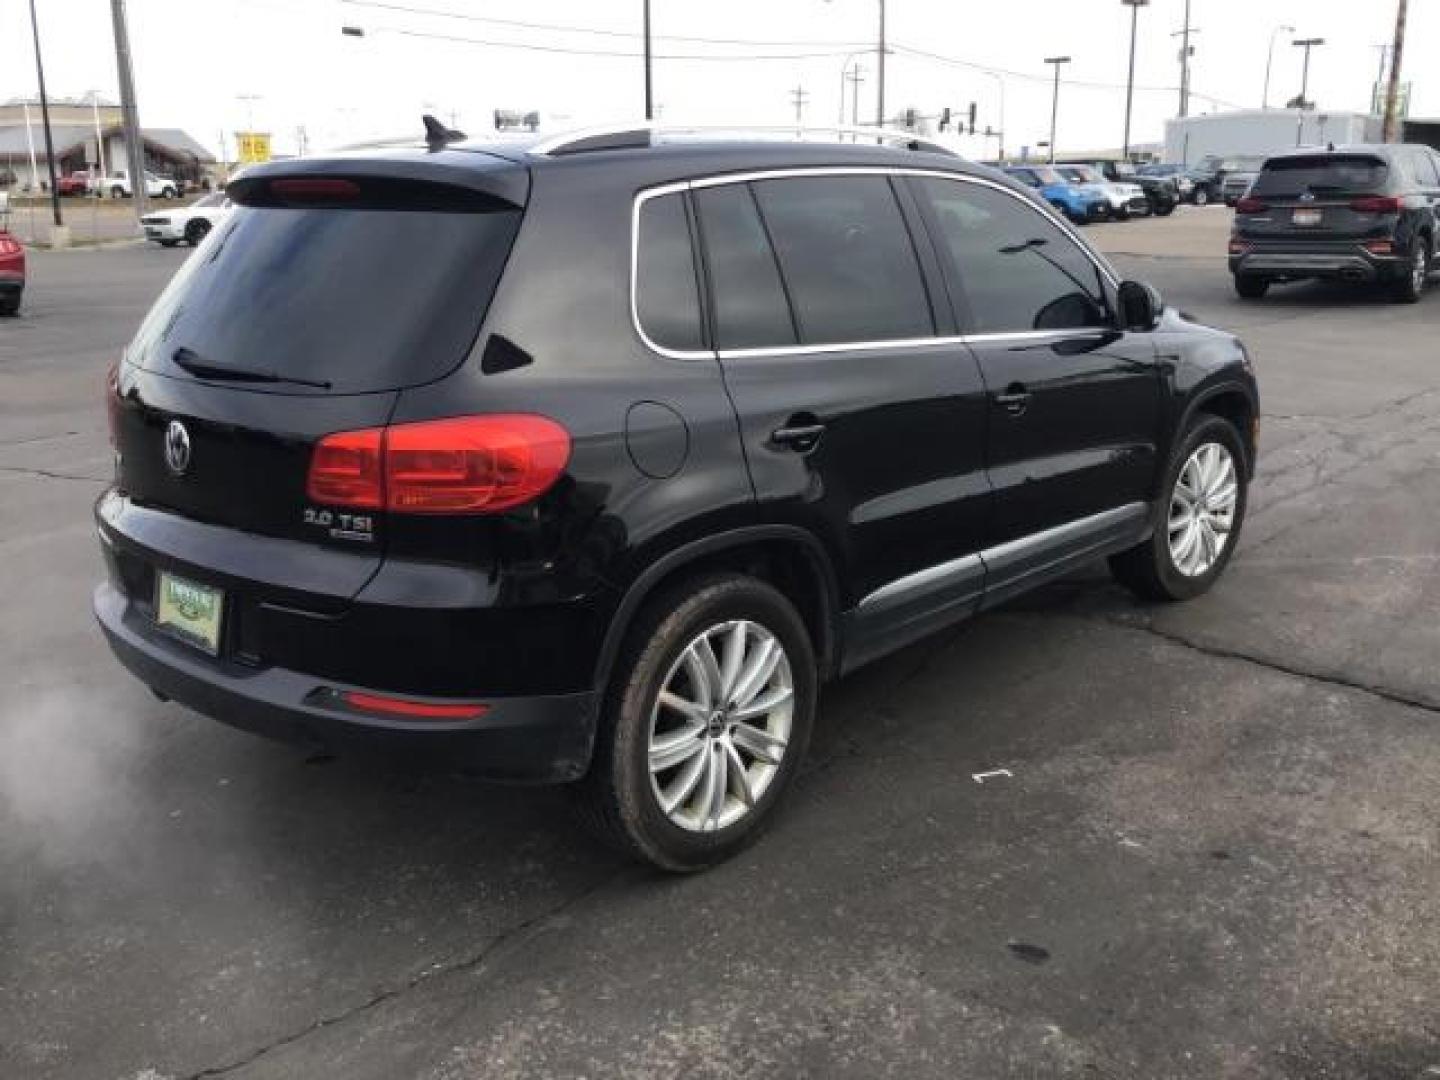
(437, 135)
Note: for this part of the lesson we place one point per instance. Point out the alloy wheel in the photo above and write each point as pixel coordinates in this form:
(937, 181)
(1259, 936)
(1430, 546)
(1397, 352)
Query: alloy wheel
(1202, 509)
(720, 726)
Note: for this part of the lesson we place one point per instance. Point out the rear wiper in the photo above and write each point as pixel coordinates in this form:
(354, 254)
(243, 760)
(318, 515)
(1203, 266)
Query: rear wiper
(191, 362)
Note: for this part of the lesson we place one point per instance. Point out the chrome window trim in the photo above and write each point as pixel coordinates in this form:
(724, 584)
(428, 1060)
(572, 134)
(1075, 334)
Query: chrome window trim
(722, 179)
(999, 553)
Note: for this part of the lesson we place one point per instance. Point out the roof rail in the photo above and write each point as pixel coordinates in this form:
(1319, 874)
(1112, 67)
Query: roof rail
(636, 135)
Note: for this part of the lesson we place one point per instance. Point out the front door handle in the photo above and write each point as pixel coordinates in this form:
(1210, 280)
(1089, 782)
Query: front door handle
(798, 436)
(1015, 400)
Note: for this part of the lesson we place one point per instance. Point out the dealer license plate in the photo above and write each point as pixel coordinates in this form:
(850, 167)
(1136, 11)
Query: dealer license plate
(189, 610)
(1308, 217)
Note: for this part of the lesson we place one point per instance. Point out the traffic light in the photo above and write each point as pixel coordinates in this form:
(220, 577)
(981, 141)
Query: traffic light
(972, 118)
(945, 119)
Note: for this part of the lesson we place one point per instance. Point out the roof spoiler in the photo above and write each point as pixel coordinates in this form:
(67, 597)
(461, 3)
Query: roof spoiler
(417, 179)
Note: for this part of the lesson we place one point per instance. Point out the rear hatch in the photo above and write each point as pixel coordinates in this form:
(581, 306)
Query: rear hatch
(1320, 198)
(330, 288)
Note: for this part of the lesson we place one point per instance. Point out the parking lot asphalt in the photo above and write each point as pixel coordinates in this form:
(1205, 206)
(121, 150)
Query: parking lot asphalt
(1215, 853)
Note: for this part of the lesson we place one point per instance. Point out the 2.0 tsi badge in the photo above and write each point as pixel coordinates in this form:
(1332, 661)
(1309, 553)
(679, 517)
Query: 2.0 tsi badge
(177, 448)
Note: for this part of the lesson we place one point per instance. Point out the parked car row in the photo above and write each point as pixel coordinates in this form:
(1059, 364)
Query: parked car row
(118, 186)
(1099, 191)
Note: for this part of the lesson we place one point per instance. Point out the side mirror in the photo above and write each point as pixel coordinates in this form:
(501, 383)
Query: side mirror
(1140, 306)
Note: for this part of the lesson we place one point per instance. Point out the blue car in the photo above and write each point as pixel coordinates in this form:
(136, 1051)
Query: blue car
(1081, 203)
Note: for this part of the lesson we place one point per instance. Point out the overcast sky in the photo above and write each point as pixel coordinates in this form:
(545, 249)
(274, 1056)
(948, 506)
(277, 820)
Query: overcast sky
(194, 59)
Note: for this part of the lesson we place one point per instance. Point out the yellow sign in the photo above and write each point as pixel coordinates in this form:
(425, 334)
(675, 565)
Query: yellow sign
(252, 147)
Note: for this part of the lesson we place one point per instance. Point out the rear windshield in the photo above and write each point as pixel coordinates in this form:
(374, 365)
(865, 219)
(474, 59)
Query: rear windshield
(1321, 175)
(327, 300)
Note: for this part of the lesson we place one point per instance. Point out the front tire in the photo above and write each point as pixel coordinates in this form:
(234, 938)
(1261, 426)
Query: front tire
(196, 231)
(1198, 517)
(1250, 287)
(705, 724)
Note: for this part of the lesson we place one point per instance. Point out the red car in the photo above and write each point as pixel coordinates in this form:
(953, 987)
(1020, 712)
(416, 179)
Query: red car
(12, 273)
(77, 183)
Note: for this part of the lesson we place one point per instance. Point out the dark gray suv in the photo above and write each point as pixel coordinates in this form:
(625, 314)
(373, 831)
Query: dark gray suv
(1359, 213)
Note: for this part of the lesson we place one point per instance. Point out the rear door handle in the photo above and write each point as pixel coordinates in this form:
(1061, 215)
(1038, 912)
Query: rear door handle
(1015, 400)
(801, 437)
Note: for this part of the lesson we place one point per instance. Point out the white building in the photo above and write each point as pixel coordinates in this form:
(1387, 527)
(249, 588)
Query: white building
(1262, 132)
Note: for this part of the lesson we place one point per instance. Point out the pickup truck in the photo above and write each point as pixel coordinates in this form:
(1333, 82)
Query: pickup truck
(156, 187)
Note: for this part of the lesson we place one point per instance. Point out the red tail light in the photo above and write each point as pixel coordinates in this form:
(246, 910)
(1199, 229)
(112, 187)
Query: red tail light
(1251, 205)
(462, 465)
(1238, 247)
(345, 470)
(1376, 204)
(1379, 247)
(9, 246)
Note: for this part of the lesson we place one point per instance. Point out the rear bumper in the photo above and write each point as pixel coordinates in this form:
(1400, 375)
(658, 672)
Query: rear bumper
(11, 286)
(545, 739)
(1339, 264)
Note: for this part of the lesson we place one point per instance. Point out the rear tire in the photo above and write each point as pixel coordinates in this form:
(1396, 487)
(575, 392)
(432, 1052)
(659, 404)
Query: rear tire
(1165, 209)
(1210, 503)
(1410, 286)
(117, 192)
(9, 307)
(1250, 287)
(721, 784)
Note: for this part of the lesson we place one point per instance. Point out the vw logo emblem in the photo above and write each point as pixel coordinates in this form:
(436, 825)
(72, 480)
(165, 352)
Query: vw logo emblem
(177, 448)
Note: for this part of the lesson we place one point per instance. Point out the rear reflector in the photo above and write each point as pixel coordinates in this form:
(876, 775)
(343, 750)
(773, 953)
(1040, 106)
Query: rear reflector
(1379, 247)
(1249, 205)
(1376, 204)
(422, 710)
(460, 465)
(1238, 247)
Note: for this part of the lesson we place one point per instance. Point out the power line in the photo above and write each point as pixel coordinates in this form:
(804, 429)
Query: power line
(571, 51)
(599, 31)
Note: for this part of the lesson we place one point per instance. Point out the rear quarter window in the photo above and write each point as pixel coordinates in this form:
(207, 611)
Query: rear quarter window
(667, 299)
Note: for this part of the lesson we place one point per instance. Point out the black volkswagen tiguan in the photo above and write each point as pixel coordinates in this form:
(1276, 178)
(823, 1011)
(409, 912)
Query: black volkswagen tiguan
(589, 459)
(1362, 214)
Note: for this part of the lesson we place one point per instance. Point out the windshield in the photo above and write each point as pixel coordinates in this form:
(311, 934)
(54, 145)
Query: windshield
(1083, 174)
(350, 300)
(1329, 173)
(213, 199)
(1124, 168)
(1048, 176)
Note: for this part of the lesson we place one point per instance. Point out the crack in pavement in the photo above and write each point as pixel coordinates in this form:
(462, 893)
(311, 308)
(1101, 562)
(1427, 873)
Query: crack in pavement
(1221, 652)
(46, 474)
(429, 975)
(37, 438)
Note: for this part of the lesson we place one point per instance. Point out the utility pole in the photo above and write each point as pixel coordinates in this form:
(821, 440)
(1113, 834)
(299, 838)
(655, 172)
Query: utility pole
(649, 94)
(799, 96)
(1186, 52)
(856, 77)
(880, 72)
(1392, 93)
(45, 121)
(134, 146)
(1056, 62)
(1134, 6)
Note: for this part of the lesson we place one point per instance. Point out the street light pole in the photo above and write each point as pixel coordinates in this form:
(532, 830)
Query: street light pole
(1134, 6)
(1270, 61)
(1186, 51)
(1000, 83)
(1392, 92)
(1055, 61)
(649, 94)
(1307, 44)
(45, 119)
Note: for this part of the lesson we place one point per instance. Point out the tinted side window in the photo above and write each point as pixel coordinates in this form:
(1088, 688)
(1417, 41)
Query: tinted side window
(1017, 269)
(847, 260)
(667, 300)
(750, 306)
